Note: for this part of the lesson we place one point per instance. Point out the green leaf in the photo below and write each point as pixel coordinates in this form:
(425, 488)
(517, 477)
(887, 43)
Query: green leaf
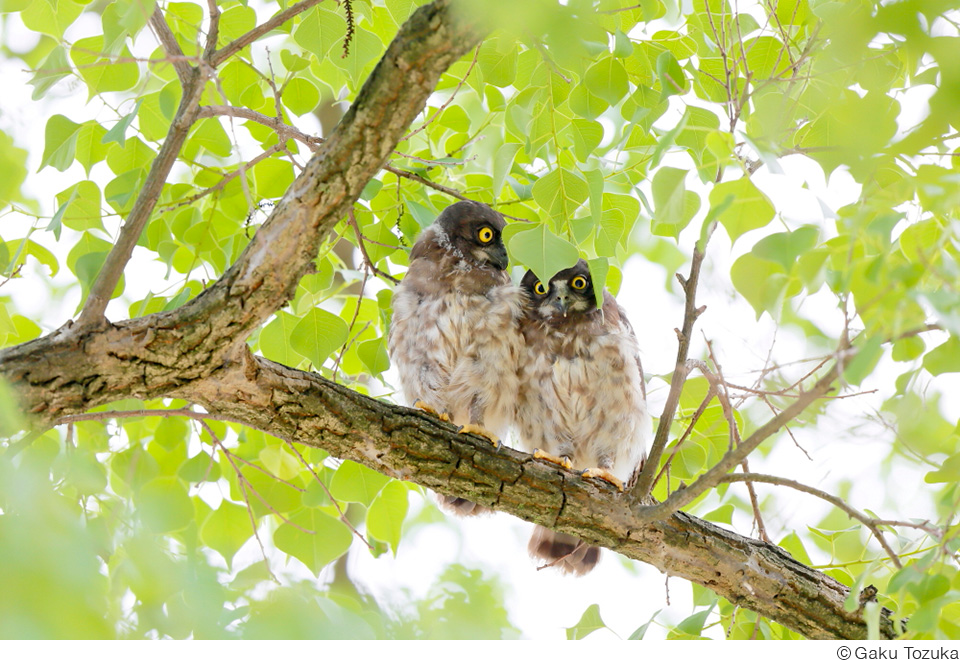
(763, 283)
(274, 341)
(80, 207)
(639, 633)
(100, 73)
(675, 205)
(163, 505)
(607, 79)
(502, 164)
(587, 135)
(301, 96)
(865, 361)
(325, 540)
(693, 624)
(598, 273)
(560, 193)
(542, 251)
(949, 472)
(118, 133)
(749, 208)
(672, 80)
(945, 358)
(54, 68)
(787, 247)
(90, 148)
(227, 529)
(317, 335)
(590, 622)
(353, 482)
(386, 513)
(60, 143)
(373, 352)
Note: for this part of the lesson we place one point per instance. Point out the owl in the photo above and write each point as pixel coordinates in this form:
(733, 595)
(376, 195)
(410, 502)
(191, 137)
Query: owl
(455, 336)
(582, 401)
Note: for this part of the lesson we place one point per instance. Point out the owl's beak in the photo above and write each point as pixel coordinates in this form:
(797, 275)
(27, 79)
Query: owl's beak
(497, 255)
(561, 300)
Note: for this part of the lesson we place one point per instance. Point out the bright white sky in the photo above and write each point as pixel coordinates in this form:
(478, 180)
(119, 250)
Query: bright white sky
(542, 603)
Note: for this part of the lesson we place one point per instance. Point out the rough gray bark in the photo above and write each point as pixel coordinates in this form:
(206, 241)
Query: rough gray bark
(197, 352)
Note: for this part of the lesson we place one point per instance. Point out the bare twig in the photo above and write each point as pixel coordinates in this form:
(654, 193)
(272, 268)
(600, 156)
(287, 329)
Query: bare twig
(443, 107)
(680, 498)
(711, 392)
(352, 220)
(221, 184)
(284, 131)
(691, 312)
(213, 31)
(870, 523)
(343, 516)
(353, 322)
(242, 481)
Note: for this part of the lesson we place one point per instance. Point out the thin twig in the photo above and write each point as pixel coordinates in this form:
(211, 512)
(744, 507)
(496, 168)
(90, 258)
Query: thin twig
(868, 522)
(439, 187)
(343, 517)
(221, 184)
(440, 110)
(691, 312)
(241, 480)
(353, 322)
(245, 40)
(213, 31)
(352, 220)
(680, 498)
(109, 275)
(711, 392)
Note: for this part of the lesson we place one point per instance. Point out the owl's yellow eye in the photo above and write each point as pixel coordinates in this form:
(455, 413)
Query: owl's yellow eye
(485, 234)
(539, 289)
(579, 283)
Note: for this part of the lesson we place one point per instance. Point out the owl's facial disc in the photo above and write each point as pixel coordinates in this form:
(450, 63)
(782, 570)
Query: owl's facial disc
(565, 300)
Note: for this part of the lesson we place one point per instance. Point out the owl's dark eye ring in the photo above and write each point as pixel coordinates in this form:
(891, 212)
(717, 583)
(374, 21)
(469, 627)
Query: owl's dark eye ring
(579, 283)
(539, 288)
(485, 235)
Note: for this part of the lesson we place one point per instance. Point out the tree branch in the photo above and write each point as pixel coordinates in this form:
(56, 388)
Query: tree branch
(102, 289)
(241, 42)
(691, 312)
(170, 46)
(872, 524)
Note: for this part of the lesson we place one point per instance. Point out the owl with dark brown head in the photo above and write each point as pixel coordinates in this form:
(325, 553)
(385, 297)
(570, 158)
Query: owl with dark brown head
(455, 337)
(581, 401)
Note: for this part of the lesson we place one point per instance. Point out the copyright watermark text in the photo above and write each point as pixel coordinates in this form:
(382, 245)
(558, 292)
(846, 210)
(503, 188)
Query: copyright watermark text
(900, 653)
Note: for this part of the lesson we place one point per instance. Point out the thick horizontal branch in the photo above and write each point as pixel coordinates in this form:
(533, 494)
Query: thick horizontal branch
(407, 444)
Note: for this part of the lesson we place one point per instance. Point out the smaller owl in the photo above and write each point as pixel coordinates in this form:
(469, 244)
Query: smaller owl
(455, 336)
(581, 402)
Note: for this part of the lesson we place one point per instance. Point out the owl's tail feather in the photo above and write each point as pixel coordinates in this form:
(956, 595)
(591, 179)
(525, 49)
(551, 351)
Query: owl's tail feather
(562, 551)
(461, 507)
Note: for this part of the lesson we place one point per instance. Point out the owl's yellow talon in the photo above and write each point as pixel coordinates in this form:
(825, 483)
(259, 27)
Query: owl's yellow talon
(562, 461)
(482, 432)
(600, 473)
(444, 417)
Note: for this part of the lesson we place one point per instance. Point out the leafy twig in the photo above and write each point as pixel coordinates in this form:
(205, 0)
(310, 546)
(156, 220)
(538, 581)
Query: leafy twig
(245, 40)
